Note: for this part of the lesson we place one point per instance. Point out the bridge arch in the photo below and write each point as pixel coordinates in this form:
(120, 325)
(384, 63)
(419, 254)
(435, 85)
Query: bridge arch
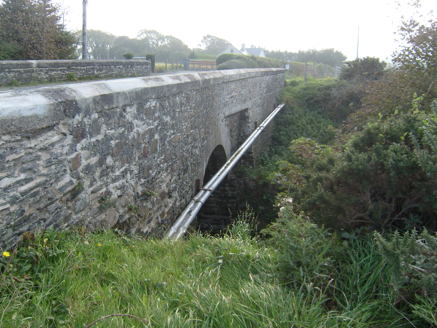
(216, 160)
(216, 213)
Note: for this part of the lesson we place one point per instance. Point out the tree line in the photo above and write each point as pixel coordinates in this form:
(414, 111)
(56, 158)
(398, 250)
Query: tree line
(33, 29)
(329, 56)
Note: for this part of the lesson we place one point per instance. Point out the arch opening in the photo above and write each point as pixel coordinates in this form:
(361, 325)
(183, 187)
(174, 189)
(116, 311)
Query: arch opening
(215, 162)
(215, 214)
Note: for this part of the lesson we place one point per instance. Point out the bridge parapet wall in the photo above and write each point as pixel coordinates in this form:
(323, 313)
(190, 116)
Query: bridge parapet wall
(122, 153)
(26, 71)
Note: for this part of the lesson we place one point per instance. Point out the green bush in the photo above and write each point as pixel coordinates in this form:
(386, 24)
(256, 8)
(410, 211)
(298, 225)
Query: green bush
(368, 68)
(377, 179)
(71, 77)
(128, 55)
(14, 83)
(306, 252)
(295, 123)
(247, 61)
(234, 64)
(297, 119)
(225, 57)
(414, 279)
(331, 98)
(192, 55)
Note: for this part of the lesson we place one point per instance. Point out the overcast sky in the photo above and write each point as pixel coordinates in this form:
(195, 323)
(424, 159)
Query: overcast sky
(274, 25)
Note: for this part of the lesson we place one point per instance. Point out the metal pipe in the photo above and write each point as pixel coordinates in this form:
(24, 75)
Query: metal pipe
(183, 222)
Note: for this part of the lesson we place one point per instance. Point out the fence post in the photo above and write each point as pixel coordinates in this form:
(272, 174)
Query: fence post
(306, 68)
(187, 64)
(166, 64)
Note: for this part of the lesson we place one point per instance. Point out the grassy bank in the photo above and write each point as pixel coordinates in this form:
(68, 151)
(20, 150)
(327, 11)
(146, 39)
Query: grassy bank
(74, 279)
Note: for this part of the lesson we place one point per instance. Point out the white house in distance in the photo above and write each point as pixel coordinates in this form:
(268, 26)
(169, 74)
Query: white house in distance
(231, 50)
(244, 51)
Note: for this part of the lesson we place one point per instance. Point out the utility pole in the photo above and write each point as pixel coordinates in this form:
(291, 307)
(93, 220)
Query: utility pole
(358, 40)
(84, 43)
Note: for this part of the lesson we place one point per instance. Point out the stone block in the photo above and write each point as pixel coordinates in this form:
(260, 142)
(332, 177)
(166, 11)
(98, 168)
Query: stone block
(76, 162)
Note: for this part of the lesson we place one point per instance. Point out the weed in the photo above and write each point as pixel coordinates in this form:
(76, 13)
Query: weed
(71, 77)
(148, 193)
(133, 209)
(105, 201)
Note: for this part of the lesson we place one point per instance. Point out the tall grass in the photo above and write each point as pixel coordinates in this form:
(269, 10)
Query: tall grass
(75, 279)
(198, 282)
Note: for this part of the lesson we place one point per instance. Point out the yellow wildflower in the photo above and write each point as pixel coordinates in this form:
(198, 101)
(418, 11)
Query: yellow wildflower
(6, 254)
(99, 244)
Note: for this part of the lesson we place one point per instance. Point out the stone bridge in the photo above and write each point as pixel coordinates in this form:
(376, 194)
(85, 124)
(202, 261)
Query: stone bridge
(125, 153)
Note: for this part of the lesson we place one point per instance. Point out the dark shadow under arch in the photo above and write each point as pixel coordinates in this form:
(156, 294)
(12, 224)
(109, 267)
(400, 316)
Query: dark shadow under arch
(215, 162)
(215, 214)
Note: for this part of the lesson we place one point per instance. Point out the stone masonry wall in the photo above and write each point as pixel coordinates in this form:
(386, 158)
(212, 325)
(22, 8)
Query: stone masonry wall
(25, 71)
(119, 153)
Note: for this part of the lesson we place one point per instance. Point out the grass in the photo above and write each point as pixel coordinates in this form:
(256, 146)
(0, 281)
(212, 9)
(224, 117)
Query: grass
(197, 282)
(74, 279)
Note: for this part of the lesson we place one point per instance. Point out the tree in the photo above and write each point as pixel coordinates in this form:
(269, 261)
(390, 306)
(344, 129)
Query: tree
(99, 44)
(368, 68)
(124, 44)
(31, 29)
(172, 49)
(282, 55)
(415, 73)
(331, 57)
(67, 45)
(166, 47)
(325, 56)
(418, 53)
(214, 45)
(13, 19)
(307, 56)
(151, 39)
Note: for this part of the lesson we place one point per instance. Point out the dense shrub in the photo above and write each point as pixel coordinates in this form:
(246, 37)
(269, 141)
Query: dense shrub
(412, 79)
(238, 61)
(234, 64)
(295, 123)
(352, 276)
(225, 57)
(329, 97)
(376, 180)
(192, 55)
(316, 70)
(368, 68)
(414, 262)
(301, 117)
(306, 253)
